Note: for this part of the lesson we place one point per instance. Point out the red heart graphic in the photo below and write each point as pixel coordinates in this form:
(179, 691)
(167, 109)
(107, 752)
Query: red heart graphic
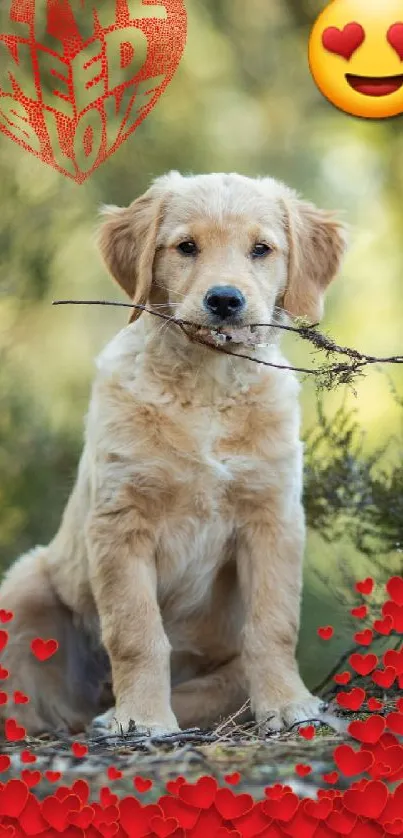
(4, 673)
(53, 776)
(163, 827)
(13, 731)
(27, 757)
(374, 705)
(390, 609)
(30, 819)
(56, 812)
(343, 42)
(107, 798)
(108, 830)
(44, 649)
(283, 809)
(232, 779)
(99, 88)
(351, 762)
(395, 38)
(82, 790)
(231, 805)
(394, 659)
(384, 626)
(384, 677)
(31, 778)
(366, 586)
(5, 763)
(331, 777)
(342, 678)
(364, 638)
(368, 731)
(302, 770)
(186, 815)
(201, 795)
(307, 732)
(83, 818)
(20, 698)
(13, 798)
(3, 639)
(370, 801)
(5, 616)
(3, 697)
(326, 632)
(363, 664)
(114, 773)
(394, 722)
(79, 750)
(352, 700)
(142, 784)
(319, 811)
(359, 612)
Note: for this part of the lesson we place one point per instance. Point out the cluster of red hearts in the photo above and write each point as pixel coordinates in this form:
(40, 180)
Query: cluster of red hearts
(103, 84)
(372, 806)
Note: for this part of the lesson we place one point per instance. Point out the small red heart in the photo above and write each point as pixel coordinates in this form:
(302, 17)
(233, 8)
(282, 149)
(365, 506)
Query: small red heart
(369, 802)
(384, 626)
(394, 827)
(3, 698)
(359, 612)
(3, 639)
(342, 678)
(331, 778)
(366, 586)
(27, 757)
(232, 779)
(142, 784)
(44, 649)
(394, 659)
(343, 42)
(374, 705)
(307, 732)
(114, 773)
(363, 664)
(352, 700)
(326, 632)
(173, 786)
(395, 38)
(20, 698)
(31, 778)
(201, 794)
(302, 770)
(53, 776)
(82, 819)
(4, 673)
(364, 638)
(13, 731)
(79, 750)
(5, 616)
(391, 609)
(5, 763)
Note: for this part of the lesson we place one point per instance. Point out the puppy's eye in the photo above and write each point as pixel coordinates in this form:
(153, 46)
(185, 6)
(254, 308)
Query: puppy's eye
(188, 248)
(260, 249)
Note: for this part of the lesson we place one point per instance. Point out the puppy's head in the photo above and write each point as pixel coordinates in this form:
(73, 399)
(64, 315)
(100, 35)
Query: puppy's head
(223, 251)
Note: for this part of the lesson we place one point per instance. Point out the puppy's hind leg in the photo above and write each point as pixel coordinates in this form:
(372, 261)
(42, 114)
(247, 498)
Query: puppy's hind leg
(63, 690)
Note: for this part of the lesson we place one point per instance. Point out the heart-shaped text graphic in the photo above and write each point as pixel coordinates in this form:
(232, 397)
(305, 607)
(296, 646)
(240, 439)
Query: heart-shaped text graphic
(343, 42)
(95, 70)
(395, 38)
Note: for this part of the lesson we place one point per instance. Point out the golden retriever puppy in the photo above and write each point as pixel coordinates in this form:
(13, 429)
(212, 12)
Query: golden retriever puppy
(176, 573)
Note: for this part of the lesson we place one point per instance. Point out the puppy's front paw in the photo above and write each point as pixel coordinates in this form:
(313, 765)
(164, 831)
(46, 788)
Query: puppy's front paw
(300, 710)
(121, 721)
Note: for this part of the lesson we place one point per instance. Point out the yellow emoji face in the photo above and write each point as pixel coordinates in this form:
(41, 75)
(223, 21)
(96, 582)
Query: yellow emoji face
(356, 56)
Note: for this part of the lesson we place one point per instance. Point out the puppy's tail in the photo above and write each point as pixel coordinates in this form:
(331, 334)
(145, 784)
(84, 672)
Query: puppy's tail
(64, 689)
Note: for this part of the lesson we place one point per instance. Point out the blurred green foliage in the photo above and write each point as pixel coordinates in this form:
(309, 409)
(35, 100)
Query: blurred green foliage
(242, 100)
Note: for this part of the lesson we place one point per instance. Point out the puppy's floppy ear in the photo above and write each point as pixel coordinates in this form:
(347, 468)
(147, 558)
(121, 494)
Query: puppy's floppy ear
(127, 240)
(317, 243)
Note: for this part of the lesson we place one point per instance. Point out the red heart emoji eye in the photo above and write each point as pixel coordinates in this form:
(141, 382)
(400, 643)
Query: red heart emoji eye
(345, 41)
(395, 38)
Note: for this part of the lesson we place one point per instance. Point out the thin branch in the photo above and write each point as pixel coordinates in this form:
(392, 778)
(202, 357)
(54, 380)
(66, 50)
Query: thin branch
(329, 375)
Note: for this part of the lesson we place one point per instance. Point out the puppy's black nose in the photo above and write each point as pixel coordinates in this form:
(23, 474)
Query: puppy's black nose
(224, 301)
